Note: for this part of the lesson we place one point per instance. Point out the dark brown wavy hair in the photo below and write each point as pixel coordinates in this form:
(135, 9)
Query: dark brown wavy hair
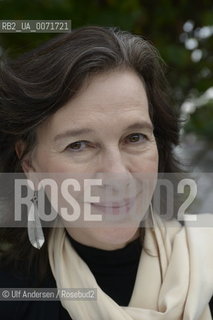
(38, 83)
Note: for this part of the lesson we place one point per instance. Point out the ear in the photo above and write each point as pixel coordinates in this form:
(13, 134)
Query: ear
(26, 163)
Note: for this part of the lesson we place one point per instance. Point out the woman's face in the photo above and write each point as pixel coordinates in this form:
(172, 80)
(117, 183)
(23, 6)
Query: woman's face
(116, 141)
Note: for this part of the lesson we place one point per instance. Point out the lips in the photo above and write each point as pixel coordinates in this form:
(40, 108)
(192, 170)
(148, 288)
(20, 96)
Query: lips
(122, 204)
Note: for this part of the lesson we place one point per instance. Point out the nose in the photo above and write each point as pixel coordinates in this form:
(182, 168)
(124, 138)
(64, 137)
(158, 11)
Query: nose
(114, 169)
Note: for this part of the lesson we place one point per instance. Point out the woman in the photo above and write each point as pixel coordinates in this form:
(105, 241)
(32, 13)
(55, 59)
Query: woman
(75, 106)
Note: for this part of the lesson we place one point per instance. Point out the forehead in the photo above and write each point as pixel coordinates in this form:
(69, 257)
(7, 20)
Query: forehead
(115, 88)
(116, 95)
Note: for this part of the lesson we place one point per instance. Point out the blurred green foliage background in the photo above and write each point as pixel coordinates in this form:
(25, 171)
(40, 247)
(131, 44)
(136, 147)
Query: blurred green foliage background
(181, 30)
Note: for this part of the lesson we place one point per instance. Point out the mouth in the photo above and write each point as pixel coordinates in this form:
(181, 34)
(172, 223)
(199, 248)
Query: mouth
(117, 204)
(115, 207)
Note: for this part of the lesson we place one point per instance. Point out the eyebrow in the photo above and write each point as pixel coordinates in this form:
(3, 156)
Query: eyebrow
(78, 132)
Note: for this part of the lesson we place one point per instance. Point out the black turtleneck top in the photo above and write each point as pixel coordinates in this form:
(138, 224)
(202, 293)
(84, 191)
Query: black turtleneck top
(115, 270)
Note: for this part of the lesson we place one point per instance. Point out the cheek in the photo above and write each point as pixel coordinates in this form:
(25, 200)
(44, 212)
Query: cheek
(148, 161)
(47, 161)
(50, 162)
(151, 164)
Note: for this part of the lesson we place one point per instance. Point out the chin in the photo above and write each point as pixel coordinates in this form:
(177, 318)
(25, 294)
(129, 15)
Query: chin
(114, 238)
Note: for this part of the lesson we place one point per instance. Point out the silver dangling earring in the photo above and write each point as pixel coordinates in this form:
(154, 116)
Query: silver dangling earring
(34, 228)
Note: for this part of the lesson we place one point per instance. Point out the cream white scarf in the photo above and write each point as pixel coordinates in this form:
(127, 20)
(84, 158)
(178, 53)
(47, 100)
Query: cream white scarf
(174, 279)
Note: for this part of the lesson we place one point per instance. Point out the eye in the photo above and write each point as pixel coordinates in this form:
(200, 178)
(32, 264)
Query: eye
(136, 138)
(77, 146)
